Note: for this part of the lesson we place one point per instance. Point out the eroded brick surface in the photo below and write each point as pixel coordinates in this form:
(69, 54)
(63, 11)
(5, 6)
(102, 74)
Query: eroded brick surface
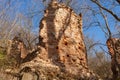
(61, 34)
(113, 45)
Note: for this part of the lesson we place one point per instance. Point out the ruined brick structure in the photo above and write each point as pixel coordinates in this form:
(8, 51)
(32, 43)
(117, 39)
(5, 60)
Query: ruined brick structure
(61, 52)
(61, 38)
(113, 45)
(18, 51)
(13, 51)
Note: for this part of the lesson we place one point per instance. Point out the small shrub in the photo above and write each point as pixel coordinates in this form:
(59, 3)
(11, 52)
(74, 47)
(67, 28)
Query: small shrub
(2, 56)
(5, 61)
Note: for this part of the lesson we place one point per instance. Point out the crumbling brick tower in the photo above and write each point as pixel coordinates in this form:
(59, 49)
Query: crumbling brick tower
(113, 45)
(61, 38)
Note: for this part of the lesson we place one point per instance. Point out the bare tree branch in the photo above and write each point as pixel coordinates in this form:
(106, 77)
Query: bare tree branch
(109, 11)
(91, 46)
(106, 23)
(118, 1)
